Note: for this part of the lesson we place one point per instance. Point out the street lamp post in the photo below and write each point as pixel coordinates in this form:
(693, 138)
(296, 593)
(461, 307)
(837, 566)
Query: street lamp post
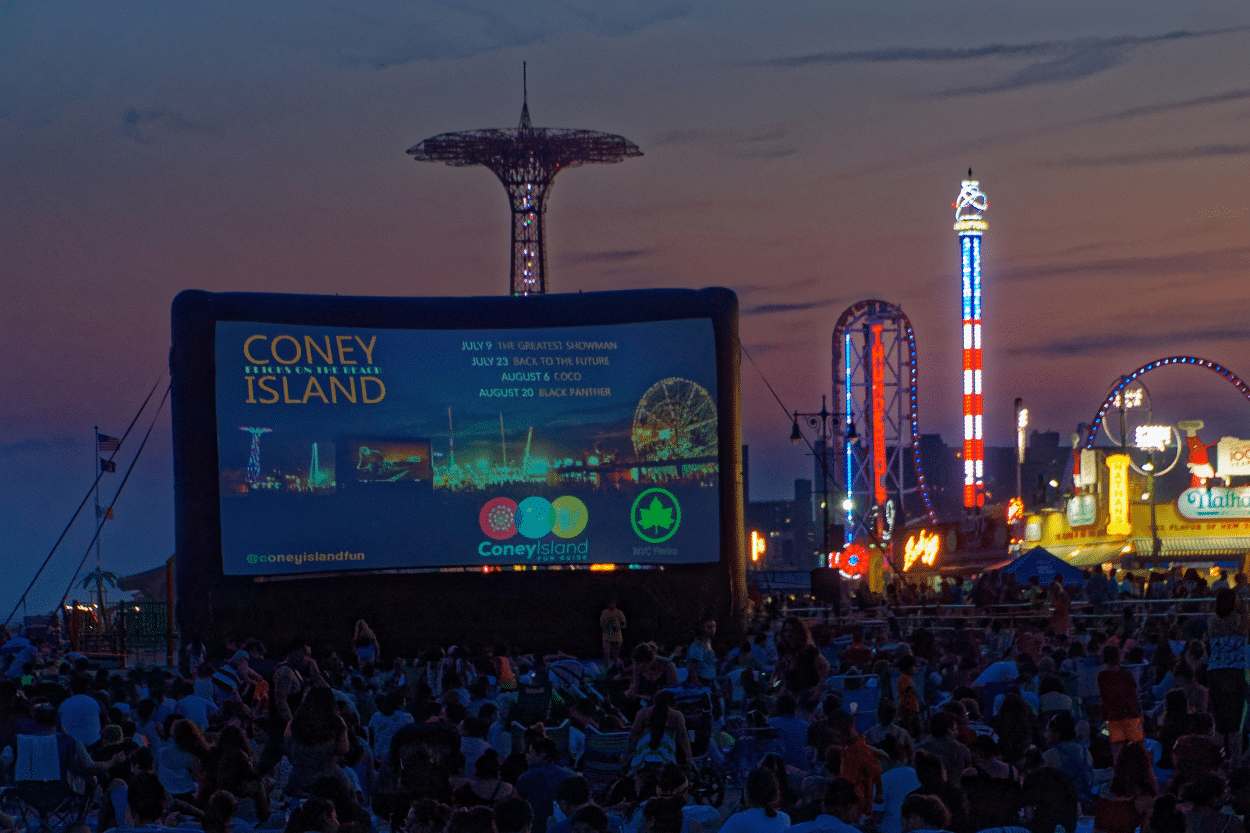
(825, 423)
(1022, 427)
(1155, 543)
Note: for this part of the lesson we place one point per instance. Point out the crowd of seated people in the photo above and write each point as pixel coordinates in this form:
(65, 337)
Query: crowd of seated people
(1117, 720)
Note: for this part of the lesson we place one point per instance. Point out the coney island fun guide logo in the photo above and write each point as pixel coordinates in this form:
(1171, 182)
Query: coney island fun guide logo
(534, 518)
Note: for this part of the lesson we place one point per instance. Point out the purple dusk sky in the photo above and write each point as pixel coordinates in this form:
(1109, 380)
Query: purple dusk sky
(804, 154)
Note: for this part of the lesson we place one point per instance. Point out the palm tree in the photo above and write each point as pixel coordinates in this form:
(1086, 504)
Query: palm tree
(98, 578)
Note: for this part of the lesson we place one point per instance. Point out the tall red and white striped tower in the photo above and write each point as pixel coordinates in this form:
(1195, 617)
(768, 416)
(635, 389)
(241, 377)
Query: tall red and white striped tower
(970, 225)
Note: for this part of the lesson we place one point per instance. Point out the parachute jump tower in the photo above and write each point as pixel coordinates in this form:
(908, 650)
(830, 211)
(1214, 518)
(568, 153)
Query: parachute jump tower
(526, 160)
(968, 222)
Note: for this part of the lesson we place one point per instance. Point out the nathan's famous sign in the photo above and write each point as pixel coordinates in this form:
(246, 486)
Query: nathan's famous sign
(1216, 491)
(357, 449)
(1211, 494)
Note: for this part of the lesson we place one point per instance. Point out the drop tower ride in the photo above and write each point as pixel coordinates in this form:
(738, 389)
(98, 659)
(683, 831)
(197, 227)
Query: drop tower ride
(969, 207)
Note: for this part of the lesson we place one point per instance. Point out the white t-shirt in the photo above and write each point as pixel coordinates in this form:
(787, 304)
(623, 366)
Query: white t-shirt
(173, 768)
(705, 816)
(896, 784)
(755, 821)
(472, 749)
(1003, 671)
(80, 718)
(1033, 701)
(825, 824)
(196, 709)
(383, 728)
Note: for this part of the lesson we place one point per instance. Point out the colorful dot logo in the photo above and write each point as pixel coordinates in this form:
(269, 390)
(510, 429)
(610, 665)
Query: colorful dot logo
(534, 517)
(498, 518)
(570, 517)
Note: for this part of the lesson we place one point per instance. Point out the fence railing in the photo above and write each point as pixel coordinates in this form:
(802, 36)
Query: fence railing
(123, 630)
(906, 618)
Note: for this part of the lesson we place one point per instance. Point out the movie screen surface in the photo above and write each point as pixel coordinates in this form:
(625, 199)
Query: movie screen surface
(344, 448)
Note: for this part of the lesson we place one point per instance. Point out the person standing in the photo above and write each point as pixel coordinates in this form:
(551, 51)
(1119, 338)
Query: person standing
(1096, 587)
(365, 644)
(906, 697)
(799, 663)
(611, 625)
(1060, 608)
(1226, 670)
(540, 784)
(1117, 688)
(701, 658)
(898, 781)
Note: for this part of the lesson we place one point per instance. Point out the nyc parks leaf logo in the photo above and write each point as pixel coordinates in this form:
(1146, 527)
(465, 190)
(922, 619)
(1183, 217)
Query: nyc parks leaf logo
(655, 515)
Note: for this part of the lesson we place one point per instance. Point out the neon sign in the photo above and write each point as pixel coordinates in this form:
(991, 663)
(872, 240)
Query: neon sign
(924, 547)
(1117, 495)
(1022, 439)
(1130, 399)
(878, 416)
(1015, 510)
(758, 545)
(1082, 510)
(1233, 456)
(1152, 437)
(852, 562)
(1218, 502)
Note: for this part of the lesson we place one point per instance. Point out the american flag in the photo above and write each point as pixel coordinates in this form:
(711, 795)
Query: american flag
(107, 444)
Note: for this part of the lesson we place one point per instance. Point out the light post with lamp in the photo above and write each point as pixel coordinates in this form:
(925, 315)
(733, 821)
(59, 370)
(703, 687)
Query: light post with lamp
(1149, 468)
(1148, 437)
(1022, 427)
(824, 423)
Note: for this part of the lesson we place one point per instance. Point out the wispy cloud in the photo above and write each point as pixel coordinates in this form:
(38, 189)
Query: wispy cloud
(1236, 258)
(769, 142)
(143, 125)
(802, 283)
(370, 37)
(1173, 106)
(764, 309)
(1151, 156)
(899, 54)
(1100, 343)
(1055, 60)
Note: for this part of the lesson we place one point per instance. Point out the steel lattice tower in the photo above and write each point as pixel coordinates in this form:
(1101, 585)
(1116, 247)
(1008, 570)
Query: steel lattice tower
(968, 222)
(526, 160)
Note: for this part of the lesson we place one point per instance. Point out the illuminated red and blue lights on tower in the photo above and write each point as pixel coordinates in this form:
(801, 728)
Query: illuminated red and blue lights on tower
(969, 207)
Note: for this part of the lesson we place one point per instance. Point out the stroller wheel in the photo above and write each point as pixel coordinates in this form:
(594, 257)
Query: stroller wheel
(708, 785)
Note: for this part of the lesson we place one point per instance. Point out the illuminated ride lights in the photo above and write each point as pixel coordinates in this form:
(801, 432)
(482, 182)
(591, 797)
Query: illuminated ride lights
(969, 207)
(253, 455)
(1112, 402)
(526, 160)
(873, 341)
(924, 547)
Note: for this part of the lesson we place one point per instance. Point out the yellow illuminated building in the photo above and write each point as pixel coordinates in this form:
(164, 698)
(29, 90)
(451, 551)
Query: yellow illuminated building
(1180, 538)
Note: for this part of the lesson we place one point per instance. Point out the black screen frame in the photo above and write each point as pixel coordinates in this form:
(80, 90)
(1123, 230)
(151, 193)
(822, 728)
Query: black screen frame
(210, 602)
